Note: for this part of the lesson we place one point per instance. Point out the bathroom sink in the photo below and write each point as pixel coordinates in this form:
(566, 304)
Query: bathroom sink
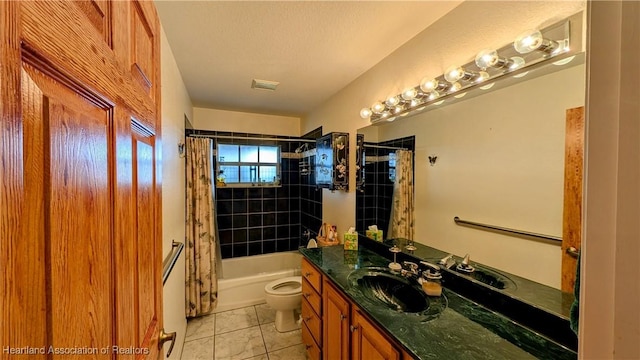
(486, 276)
(383, 286)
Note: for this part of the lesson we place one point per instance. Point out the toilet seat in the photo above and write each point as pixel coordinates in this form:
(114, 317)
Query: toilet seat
(285, 286)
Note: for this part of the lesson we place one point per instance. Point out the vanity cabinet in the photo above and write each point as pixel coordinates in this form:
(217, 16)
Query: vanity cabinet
(367, 342)
(311, 310)
(336, 323)
(333, 327)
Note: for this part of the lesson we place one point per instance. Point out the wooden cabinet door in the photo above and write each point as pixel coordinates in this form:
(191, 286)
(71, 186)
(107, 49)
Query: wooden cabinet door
(367, 342)
(79, 185)
(335, 319)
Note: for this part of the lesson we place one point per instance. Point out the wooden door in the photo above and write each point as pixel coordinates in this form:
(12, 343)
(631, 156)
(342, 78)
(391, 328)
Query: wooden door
(572, 211)
(367, 342)
(335, 313)
(79, 185)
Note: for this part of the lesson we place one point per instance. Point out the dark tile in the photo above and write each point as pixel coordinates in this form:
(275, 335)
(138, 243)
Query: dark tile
(239, 206)
(282, 245)
(224, 194)
(283, 192)
(269, 193)
(239, 221)
(282, 204)
(224, 222)
(294, 244)
(294, 191)
(255, 248)
(269, 205)
(268, 233)
(239, 236)
(294, 204)
(239, 250)
(255, 220)
(269, 219)
(294, 217)
(239, 193)
(255, 206)
(268, 246)
(226, 237)
(296, 230)
(255, 234)
(224, 207)
(255, 193)
(282, 231)
(226, 251)
(282, 218)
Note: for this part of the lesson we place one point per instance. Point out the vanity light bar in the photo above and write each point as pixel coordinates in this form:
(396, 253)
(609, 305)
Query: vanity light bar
(530, 48)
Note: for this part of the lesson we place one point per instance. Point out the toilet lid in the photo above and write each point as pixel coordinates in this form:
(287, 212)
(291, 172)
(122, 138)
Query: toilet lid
(285, 286)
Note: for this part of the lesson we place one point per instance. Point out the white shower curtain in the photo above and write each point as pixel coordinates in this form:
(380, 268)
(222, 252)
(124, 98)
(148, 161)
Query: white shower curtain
(200, 229)
(401, 219)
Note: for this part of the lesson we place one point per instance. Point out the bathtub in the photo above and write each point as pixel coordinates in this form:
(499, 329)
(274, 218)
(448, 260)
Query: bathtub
(244, 278)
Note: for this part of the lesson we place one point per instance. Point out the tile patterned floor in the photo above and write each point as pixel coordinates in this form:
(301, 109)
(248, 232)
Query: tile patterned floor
(247, 333)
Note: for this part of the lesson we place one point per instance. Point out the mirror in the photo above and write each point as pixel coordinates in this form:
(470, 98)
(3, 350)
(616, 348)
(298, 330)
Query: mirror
(494, 157)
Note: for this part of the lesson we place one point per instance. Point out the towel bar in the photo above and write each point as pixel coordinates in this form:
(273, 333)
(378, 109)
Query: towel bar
(170, 261)
(459, 221)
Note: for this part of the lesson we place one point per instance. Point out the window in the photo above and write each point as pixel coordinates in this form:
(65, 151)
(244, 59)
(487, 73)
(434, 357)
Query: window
(248, 165)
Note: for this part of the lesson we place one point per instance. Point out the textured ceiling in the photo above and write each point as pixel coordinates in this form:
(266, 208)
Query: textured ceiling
(313, 48)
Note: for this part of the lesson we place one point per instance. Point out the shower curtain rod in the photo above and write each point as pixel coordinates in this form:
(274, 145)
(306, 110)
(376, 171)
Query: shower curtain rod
(384, 147)
(248, 138)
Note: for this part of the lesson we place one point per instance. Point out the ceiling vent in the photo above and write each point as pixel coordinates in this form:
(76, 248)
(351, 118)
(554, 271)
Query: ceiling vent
(264, 84)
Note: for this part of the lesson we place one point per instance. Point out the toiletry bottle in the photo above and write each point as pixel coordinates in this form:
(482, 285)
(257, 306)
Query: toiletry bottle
(432, 282)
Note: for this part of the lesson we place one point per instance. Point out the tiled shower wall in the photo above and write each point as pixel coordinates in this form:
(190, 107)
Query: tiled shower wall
(373, 204)
(261, 220)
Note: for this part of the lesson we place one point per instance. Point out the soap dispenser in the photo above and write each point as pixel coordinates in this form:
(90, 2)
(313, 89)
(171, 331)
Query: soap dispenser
(431, 279)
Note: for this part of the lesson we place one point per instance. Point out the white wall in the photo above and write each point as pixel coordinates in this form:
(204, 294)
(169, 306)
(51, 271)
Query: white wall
(244, 122)
(501, 162)
(454, 39)
(175, 105)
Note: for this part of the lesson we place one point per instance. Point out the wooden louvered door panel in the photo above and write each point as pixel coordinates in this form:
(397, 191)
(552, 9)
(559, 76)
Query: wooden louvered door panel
(79, 182)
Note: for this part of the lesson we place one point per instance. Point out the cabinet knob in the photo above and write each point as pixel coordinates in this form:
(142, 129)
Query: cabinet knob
(307, 274)
(307, 346)
(342, 316)
(306, 295)
(307, 318)
(353, 328)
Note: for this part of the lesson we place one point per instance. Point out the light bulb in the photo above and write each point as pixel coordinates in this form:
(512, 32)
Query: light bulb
(487, 58)
(414, 102)
(392, 101)
(385, 114)
(516, 63)
(428, 85)
(482, 76)
(365, 113)
(532, 40)
(454, 73)
(455, 87)
(377, 108)
(433, 95)
(397, 109)
(409, 94)
(528, 41)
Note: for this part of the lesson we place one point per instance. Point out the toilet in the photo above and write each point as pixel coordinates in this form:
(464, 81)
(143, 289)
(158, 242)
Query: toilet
(285, 296)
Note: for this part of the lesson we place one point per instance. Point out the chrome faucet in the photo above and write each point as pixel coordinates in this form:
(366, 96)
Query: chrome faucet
(432, 271)
(465, 265)
(414, 269)
(447, 261)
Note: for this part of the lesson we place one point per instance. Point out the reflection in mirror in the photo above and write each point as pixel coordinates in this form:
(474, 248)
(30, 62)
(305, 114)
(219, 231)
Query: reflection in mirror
(500, 160)
(374, 201)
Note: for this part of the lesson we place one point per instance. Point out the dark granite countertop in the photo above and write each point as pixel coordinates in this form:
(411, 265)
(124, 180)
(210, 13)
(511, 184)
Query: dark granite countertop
(464, 330)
